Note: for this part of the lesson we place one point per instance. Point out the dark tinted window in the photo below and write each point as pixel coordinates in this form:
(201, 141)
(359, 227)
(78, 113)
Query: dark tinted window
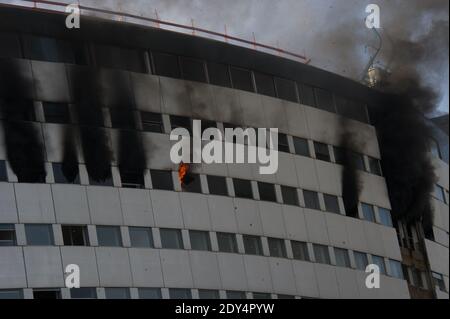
(11, 294)
(218, 74)
(227, 242)
(311, 199)
(264, 84)
(242, 188)
(322, 254)
(200, 240)
(286, 89)
(106, 182)
(48, 49)
(141, 237)
(149, 293)
(307, 96)
(122, 118)
(152, 122)
(351, 109)
(180, 293)
(208, 294)
(39, 235)
(181, 121)
(3, 175)
(361, 260)
(193, 69)
(171, 238)
(339, 155)
(56, 112)
(300, 250)
(261, 295)
(375, 166)
(242, 79)
(267, 192)
(358, 160)
(325, 100)
(194, 185)
(231, 294)
(322, 152)
(166, 65)
(217, 185)
(331, 203)
(301, 147)
(117, 293)
(42, 294)
(83, 293)
(283, 144)
(109, 236)
(252, 245)
(64, 173)
(7, 235)
(162, 179)
(75, 235)
(120, 58)
(10, 47)
(132, 179)
(290, 196)
(277, 247)
(342, 258)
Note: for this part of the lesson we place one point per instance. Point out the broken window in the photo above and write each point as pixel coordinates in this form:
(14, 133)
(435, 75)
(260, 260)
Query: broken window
(181, 122)
(193, 69)
(286, 89)
(219, 74)
(194, 184)
(264, 84)
(267, 192)
(122, 118)
(152, 122)
(75, 235)
(242, 79)
(227, 242)
(439, 281)
(311, 199)
(105, 182)
(252, 245)
(171, 238)
(322, 152)
(290, 196)
(325, 100)
(242, 188)
(109, 236)
(217, 185)
(132, 179)
(62, 176)
(166, 65)
(162, 179)
(375, 166)
(322, 254)
(200, 240)
(141, 237)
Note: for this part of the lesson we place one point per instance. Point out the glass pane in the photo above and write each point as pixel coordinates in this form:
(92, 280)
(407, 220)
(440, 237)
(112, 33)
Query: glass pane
(331, 204)
(109, 236)
(56, 113)
(290, 196)
(11, 294)
(286, 89)
(117, 293)
(301, 147)
(260, 295)
(375, 166)
(283, 144)
(141, 237)
(217, 185)
(396, 269)
(83, 293)
(307, 95)
(342, 258)
(39, 235)
(200, 240)
(7, 235)
(322, 254)
(252, 245)
(166, 65)
(242, 79)
(322, 152)
(242, 188)
(361, 260)
(267, 192)
(64, 174)
(152, 122)
(385, 217)
(325, 100)
(277, 247)
(179, 293)
(171, 238)
(236, 295)
(227, 242)
(47, 49)
(368, 212)
(218, 74)
(300, 250)
(75, 236)
(162, 179)
(311, 199)
(264, 84)
(193, 69)
(379, 261)
(149, 293)
(208, 294)
(46, 294)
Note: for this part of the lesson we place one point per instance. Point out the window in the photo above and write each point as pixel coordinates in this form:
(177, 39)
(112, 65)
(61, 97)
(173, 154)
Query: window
(331, 204)
(83, 293)
(152, 122)
(206, 125)
(290, 196)
(39, 235)
(181, 122)
(227, 243)
(277, 247)
(141, 237)
(242, 79)
(322, 152)
(439, 193)
(231, 294)
(435, 149)
(339, 155)
(439, 281)
(56, 113)
(361, 260)
(311, 199)
(300, 250)
(193, 69)
(301, 147)
(117, 293)
(45, 294)
(218, 74)
(267, 192)
(48, 49)
(351, 109)
(307, 95)
(385, 217)
(149, 293)
(252, 245)
(120, 58)
(379, 261)
(286, 90)
(194, 184)
(325, 100)
(200, 240)
(396, 269)
(109, 236)
(242, 188)
(66, 174)
(217, 185)
(166, 65)
(342, 258)
(264, 84)
(162, 180)
(75, 235)
(208, 294)
(285, 297)
(11, 294)
(7, 235)
(171, 238)
(10, 45)
(375, 166)
(358, 161)
(105, 182)
(132, 179)
(122, 118)
(261, 295)
(322, 254)
(180, 293)
(3, 175)
(368, 212)
(283, 144)
(416, 277)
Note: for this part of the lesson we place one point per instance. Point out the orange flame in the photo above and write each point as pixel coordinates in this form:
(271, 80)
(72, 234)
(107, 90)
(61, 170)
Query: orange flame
(182, 172)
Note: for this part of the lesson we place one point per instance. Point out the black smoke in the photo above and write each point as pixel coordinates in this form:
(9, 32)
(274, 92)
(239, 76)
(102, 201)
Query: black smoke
(70, 157)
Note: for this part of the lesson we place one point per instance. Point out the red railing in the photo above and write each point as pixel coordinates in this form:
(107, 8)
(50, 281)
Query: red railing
(43, 5)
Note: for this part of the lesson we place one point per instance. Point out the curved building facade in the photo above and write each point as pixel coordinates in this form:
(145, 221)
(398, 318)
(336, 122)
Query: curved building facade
(86, 177)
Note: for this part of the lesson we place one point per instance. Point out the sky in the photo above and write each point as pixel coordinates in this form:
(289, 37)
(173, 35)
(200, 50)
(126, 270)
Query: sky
(332, 33)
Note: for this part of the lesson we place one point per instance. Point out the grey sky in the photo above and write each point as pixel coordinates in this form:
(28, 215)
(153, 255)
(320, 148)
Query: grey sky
(331, 32)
